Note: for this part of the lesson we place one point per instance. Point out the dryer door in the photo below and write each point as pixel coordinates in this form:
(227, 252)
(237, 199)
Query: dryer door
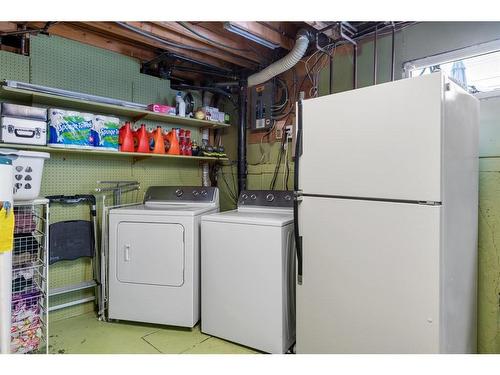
(150, 253)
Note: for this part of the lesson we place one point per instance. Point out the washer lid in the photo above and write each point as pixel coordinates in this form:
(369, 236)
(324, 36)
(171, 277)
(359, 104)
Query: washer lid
(165, 209)
(261, 216)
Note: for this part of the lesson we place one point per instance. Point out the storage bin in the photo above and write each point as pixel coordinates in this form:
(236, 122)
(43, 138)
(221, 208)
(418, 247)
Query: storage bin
(23, 131)
(24, 111)
(27, 328)
(28, 169)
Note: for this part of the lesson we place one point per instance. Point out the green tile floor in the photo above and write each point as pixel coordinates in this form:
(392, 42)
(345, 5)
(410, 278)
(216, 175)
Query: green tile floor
(84, 334)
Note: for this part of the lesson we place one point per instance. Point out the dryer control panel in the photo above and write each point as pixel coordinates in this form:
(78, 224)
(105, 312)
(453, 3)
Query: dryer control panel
(266, 198)
(181, 194)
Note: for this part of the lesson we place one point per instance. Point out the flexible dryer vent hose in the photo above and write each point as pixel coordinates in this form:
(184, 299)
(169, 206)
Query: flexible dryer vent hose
(287, 62)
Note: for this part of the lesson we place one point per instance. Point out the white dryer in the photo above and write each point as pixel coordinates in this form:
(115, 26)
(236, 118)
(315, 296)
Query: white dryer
(248, 272)
(154, 256)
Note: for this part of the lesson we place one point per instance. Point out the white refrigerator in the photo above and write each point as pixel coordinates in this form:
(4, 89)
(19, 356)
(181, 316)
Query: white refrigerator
(386, 219)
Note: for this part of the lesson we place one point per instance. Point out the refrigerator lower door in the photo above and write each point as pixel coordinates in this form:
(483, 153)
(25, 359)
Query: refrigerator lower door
(370, 277)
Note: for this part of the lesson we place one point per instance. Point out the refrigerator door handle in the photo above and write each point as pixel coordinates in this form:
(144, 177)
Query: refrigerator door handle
(297, 192)
(298, 238)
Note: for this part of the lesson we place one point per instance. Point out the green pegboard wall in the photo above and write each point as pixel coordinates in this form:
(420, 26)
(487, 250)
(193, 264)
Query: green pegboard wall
(148, 89)
(14, 66)
(78, 174)
(62, 63)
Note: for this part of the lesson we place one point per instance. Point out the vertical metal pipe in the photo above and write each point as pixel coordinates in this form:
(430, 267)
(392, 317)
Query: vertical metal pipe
(23, 41)
(375, 35)
(242, 138)
(330, 87)
(393, 56)
(355, 66)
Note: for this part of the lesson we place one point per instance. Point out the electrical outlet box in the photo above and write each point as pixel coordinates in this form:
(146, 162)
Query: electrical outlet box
(278, 134)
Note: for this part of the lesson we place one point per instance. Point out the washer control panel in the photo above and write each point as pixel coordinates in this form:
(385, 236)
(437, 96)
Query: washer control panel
(267, 198)
(180, 193)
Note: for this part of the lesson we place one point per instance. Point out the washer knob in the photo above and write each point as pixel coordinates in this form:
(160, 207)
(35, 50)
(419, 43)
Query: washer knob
(244, 196)
(196, 193)
(204, 193)
(269, 197)
(253, 196)
(179, 192)
(288, 197)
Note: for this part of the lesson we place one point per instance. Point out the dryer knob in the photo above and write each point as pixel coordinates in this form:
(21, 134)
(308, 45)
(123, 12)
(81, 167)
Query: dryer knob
(253, 196)
(288, 197)
(269, 197)
(204, 193)
(196, 193)
(179, 192)
(244, 196)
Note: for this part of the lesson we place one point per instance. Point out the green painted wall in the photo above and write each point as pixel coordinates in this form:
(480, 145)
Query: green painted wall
(62, 63)
(427, 39)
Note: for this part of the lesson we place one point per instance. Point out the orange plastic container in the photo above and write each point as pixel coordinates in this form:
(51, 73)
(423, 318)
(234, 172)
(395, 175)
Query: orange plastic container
(159, 141)
(142, 135)
(126, 138)
(174, 143)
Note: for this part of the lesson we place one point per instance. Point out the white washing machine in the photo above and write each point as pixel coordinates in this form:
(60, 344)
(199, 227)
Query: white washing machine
(154, 256)
(248, 272)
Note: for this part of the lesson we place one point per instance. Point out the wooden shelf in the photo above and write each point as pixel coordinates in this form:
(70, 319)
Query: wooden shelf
(138, 155)
(50, 100)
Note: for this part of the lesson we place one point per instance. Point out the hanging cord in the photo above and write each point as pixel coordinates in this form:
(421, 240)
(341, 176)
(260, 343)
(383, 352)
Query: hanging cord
(231, 194)
(278, 164)
(312, 73)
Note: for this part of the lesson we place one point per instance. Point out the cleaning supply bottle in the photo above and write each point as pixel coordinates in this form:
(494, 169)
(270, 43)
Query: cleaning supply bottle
(174, 143)
(180, 104)
(142, 137)
(159, 142)
(126, 138)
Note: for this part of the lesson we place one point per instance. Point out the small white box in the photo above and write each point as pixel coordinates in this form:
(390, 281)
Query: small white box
(23, 131)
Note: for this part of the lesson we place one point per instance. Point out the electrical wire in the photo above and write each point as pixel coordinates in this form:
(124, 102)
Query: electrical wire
(186, 26)
(261, 146)
(231, 194)
(313, 74)
(163, 41)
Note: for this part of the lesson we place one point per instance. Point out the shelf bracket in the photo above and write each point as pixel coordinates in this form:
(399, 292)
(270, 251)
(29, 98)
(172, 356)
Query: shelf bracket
(136, 159)
(139, 117)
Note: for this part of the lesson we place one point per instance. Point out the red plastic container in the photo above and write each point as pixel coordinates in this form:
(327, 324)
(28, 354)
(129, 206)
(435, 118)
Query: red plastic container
(142, 135)
(126, 138)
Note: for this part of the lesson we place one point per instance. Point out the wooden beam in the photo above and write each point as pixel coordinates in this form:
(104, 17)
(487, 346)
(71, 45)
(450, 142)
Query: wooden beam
(266, 33)
(119, 33)
(178, 38)
(219, 41)
(78, 34)
(6, 27)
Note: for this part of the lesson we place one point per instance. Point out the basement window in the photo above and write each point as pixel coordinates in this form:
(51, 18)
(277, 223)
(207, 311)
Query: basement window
(476, 68)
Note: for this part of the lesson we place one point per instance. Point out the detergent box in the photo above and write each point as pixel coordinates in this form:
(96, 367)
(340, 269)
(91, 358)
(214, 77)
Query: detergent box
(70, 129)
(104, 132)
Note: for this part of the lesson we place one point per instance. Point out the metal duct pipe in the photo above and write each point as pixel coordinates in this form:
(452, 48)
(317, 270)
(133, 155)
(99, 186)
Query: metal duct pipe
(354, 66)
(205, 176)
(301, 43)
(393, 51)
(375, 56)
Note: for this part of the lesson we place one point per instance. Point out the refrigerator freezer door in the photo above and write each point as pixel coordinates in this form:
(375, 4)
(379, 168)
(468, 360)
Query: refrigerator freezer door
(381, 141)
(370, 277)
